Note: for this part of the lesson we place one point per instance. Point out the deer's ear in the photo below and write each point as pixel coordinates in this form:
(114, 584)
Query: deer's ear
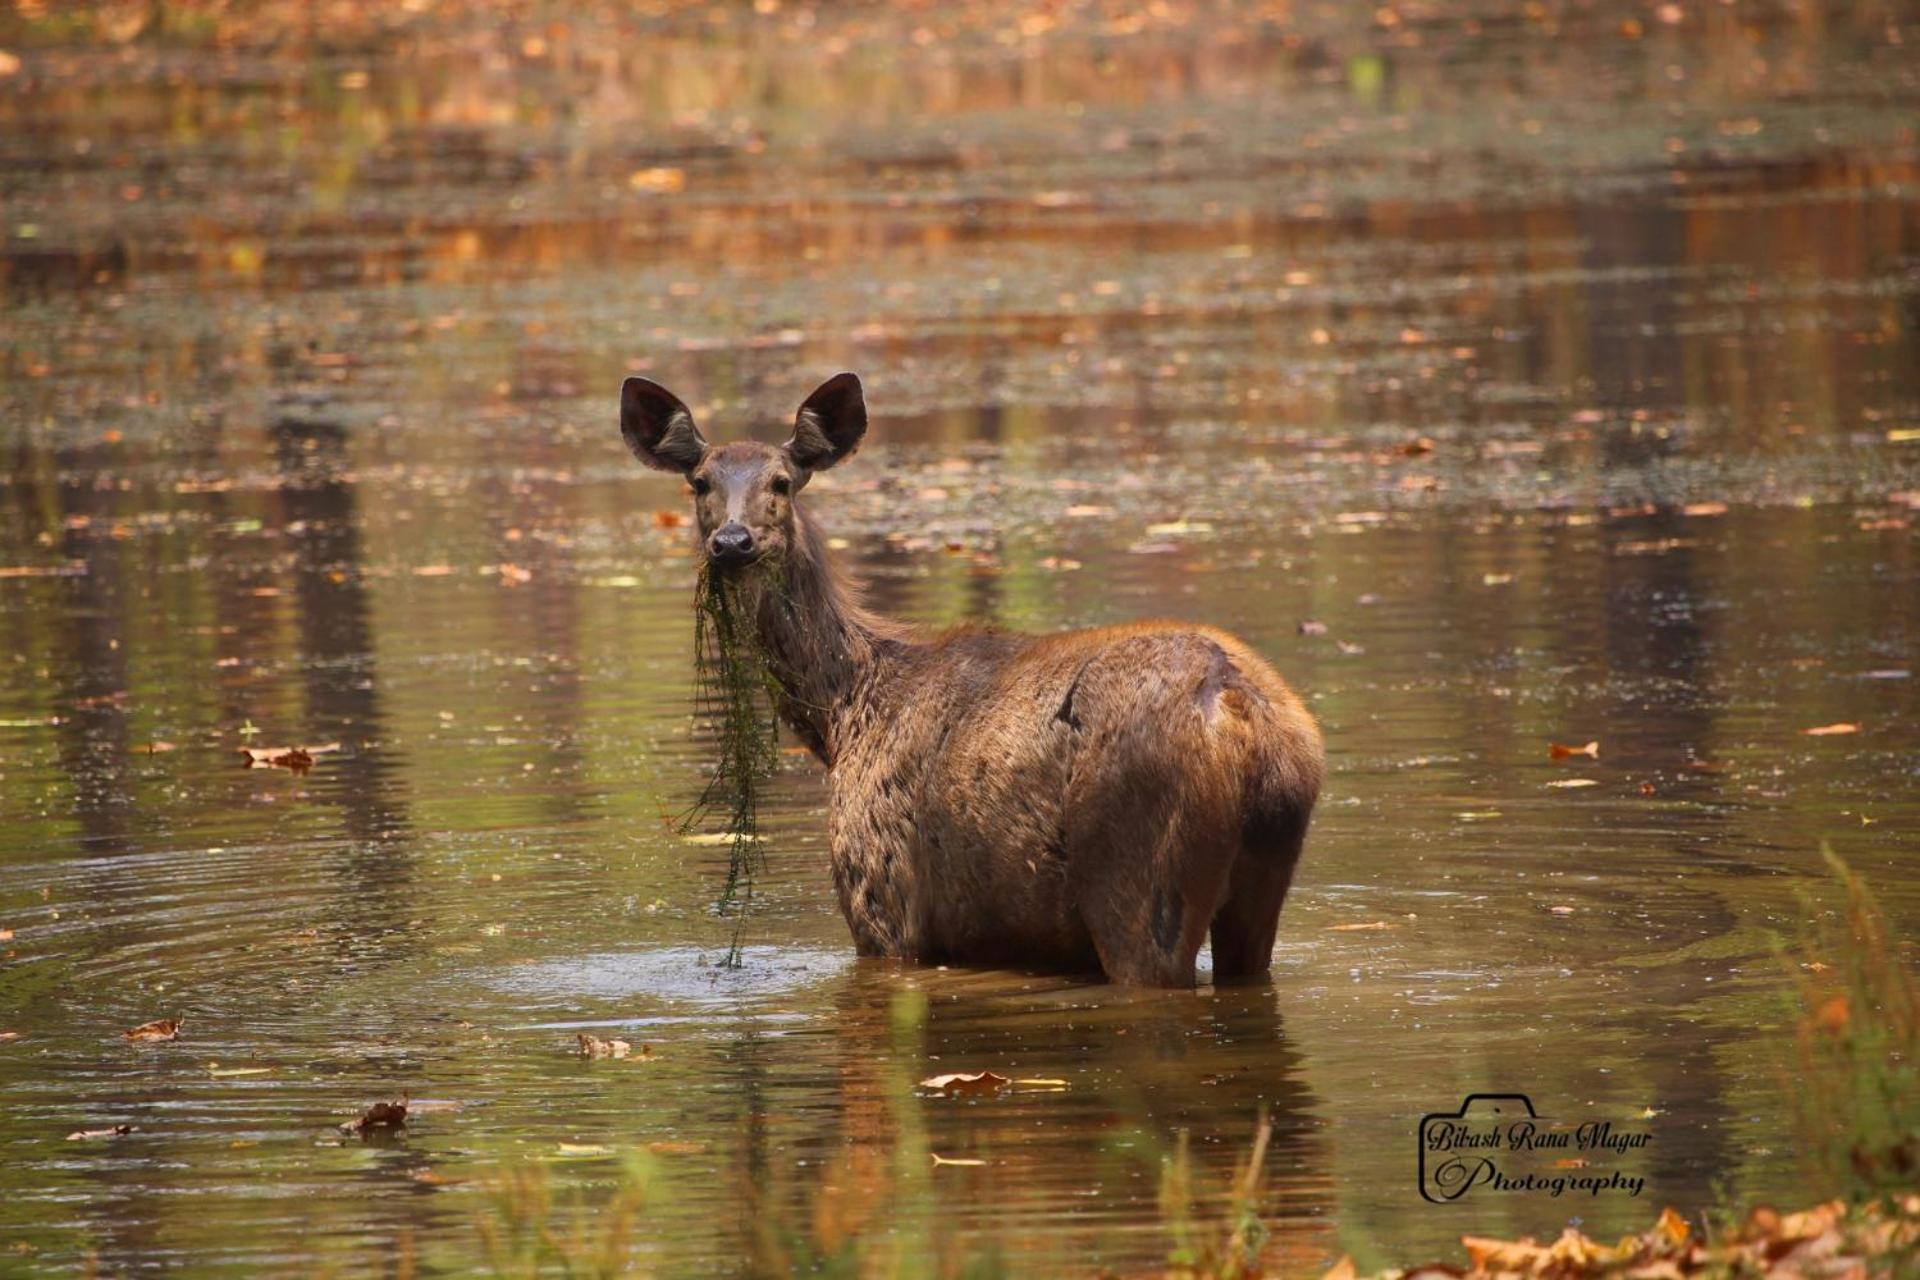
(659, 428)
(829, 425)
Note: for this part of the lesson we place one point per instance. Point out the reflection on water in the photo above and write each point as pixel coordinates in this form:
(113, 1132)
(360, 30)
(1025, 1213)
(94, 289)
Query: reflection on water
(1563, 369)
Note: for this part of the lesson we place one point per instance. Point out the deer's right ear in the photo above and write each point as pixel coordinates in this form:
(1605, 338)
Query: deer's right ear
(659, 428)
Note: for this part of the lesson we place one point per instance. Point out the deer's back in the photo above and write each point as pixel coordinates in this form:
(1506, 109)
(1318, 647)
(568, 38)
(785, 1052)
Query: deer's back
(957, 771)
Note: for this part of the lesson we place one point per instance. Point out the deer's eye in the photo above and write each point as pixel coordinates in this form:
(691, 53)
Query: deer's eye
(782, 485)
(701, 486)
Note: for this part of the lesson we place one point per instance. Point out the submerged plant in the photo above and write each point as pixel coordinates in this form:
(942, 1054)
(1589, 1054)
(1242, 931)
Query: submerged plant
(736, 683)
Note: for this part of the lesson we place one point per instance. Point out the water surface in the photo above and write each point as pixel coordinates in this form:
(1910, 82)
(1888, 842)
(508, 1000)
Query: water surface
(1560, 372)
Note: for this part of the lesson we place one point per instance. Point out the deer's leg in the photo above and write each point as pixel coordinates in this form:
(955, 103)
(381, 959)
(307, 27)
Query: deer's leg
(1132, 858)
(1245, 925)
(1272, 831)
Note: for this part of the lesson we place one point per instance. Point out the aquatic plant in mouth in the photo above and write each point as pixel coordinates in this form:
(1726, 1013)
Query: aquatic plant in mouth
(735, 682)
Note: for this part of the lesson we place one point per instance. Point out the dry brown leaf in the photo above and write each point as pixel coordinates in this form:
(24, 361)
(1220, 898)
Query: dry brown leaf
(8, 1035)
(668, 519)
(1829, 730)
(117, 1131)
(158, 1029)
(1559, 751)
(966, 1083)
(1355, 928)
(381, 1117)
(298, 759)
(595, 1047)
(1486, 1255)
(1671, 1226)
(1341, 1270)
(1833, 1016)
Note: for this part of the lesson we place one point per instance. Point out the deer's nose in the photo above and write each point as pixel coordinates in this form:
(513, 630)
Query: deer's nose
(731, 543)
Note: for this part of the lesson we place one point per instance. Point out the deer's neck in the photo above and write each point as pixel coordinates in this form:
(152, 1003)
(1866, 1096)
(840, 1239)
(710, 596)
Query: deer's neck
(819, 641)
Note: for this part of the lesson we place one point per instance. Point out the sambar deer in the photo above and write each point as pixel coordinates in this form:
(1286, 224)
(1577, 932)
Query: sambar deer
(1096, 799)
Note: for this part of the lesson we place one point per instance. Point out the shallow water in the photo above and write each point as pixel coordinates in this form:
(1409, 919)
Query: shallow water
(1567, 378)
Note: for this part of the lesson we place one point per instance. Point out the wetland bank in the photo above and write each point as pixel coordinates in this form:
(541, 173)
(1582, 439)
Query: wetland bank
(1506, 378)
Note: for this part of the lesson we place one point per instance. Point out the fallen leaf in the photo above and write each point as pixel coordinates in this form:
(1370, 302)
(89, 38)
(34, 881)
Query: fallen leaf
(1561, 910)
(381, 1117)
(584, 1149)
(118, 1131)
(6, 935)
(1341, 1270)
(1308, 627)
(1575, 782)
(595, 1047)
(1829, 730)
(660, 181)
(964, 1083)
(668, 519)
(1179, 528)
(159, 1029)
(1355, 928)
(676, 1148)
(1418, 447)
(1646, 788)
(8, 1035)
(1039, 1082)
(219, 1072)
(960, 1161)
(298, 759)
(1834, 1016)
(1557, 751)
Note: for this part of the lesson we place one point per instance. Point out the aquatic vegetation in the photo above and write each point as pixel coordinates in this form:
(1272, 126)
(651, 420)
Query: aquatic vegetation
(736, 685)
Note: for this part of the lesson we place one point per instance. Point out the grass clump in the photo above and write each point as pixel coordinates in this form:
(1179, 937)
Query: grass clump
(1856, 1048)
(525, 1233)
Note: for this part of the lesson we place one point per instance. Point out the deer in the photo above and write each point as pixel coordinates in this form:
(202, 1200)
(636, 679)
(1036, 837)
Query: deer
(1096, 801)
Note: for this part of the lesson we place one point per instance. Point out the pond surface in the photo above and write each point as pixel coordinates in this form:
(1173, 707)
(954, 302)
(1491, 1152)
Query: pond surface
(1507, 380)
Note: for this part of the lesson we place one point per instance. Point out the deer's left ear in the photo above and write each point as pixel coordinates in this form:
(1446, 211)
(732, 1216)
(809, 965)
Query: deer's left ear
(829, 425)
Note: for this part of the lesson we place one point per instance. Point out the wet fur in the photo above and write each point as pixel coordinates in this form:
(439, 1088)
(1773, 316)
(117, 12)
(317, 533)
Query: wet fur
(1096, 800)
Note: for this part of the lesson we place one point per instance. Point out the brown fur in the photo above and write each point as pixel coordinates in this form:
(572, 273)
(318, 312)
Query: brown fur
(1098, 799)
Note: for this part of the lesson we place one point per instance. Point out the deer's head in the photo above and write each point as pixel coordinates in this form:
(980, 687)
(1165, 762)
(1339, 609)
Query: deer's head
(743, 492)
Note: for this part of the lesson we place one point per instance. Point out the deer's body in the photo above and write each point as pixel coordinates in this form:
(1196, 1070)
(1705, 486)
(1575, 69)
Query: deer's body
(1098, 799)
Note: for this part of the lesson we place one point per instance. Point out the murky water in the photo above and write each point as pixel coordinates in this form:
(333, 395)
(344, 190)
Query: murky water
(1562, 368)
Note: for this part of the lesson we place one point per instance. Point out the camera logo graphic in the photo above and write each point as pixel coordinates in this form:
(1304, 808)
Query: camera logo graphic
(1450, 1142)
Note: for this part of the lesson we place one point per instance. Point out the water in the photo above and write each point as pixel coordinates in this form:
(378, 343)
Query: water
(1565, 374)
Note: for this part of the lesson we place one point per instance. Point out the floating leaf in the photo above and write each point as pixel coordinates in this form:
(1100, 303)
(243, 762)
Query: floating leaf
(1829, 730)
(595, 1047)
(1558, 751)
(1575, 782)
(965, 1083)
(1355, 928)
(959, 1161)
(298, 759)
(117, 1131)
(157, 1030)
(381, 1117)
